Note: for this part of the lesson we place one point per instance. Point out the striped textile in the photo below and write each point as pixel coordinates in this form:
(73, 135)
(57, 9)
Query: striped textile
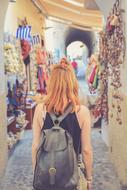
(35, 39)
(23, 33)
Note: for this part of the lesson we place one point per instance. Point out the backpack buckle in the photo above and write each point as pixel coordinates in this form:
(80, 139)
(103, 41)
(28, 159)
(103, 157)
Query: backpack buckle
(52, 173)
(56, 122)
(52, 170)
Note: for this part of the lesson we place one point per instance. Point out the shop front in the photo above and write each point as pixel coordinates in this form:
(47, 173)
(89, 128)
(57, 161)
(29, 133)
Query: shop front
(24, 72)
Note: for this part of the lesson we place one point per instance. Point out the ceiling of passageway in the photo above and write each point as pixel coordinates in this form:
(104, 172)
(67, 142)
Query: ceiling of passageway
(86, 37)
(73, 12)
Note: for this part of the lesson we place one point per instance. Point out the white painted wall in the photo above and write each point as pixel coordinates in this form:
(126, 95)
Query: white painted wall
(3, 127)
(117, 133)
(105, 6)
(55, 37)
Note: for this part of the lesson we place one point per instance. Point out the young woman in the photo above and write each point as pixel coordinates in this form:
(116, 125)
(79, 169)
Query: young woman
(62, 90)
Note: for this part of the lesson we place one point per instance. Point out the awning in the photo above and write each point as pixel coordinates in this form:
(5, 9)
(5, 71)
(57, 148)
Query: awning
(75, 13)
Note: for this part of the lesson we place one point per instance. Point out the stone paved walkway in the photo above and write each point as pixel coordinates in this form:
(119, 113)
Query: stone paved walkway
(19, 171)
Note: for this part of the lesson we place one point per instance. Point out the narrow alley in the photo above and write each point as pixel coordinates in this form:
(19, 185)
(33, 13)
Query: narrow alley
(67, 53)
(19, 171)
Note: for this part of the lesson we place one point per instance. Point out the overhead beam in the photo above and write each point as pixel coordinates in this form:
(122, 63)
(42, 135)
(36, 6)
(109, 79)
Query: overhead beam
(72, 8)
(70, 16)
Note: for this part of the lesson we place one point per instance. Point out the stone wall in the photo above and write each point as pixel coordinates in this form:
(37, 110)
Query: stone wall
(3, 136)
(3, 126)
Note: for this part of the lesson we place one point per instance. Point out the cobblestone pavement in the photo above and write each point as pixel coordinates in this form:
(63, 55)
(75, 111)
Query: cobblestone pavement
(19, 171)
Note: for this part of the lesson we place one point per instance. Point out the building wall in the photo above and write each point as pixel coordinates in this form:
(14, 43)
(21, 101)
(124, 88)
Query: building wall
(117, 134)
(105, 6)
(21, 9)
(55, 39)
(3, 143)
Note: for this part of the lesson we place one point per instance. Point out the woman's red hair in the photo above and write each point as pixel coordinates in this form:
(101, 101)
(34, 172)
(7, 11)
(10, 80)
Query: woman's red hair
(62, 89)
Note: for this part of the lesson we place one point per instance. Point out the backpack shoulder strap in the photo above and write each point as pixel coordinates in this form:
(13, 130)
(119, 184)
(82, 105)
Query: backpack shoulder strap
(60, 118)
(67, 111)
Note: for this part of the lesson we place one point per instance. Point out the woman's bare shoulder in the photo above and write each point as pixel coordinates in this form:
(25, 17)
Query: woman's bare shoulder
(82, 114)
(40, 108)
(82, 109)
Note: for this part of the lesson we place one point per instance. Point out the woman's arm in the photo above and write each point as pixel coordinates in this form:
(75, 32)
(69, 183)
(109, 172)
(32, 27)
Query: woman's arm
(86, 142)
(37, 125)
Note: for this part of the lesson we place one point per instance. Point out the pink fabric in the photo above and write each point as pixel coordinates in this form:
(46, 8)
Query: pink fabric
(74, 64)
(25, 47)
(92, 75)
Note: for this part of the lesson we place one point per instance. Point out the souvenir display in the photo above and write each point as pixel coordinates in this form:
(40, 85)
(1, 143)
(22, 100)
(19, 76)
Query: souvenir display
(92, 74)
(33, 69)
(40, 68)
(27, 67)
(12, 139)
(13, 62)
(112, 53)
(20, 119)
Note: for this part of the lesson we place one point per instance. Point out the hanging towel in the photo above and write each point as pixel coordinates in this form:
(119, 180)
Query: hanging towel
(92, 75)
(95, 82)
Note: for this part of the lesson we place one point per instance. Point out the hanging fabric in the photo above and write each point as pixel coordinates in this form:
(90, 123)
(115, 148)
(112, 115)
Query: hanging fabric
(92, 75)
(23, 33)
(95, 81)
(41, 57)
(41, 80)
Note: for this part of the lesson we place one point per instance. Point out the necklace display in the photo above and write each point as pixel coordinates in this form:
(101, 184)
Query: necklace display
(112, 53)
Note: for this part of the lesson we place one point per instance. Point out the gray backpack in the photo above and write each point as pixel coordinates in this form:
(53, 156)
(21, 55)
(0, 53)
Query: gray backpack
(56, 163)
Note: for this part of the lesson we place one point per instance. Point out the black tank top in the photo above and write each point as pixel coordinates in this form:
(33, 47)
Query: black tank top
(69, 123)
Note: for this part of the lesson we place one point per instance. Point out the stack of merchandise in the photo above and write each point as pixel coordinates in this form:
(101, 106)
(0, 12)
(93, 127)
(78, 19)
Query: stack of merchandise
(38, 98)
(20, 119)
(12, 139)
(13, 62)
(92, 74)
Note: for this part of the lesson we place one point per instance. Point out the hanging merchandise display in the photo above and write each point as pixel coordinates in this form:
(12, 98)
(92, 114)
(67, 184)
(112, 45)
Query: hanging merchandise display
(103, 91)
(44, 59)
(93, 80)
(40, 68)
(92, 74)
(35, 39)
(14, 72)
(41, 56)
(24, 36)
(112, 53)
(13, 62)
(24, 30)
(26, 47)
(27, 68)
(16, 91)
(42, 78)
(33, 69)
